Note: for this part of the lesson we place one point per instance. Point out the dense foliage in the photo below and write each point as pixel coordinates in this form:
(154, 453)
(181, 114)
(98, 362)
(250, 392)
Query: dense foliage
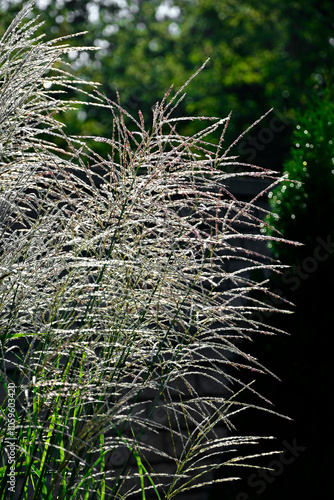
(263, 55)
(304, 205)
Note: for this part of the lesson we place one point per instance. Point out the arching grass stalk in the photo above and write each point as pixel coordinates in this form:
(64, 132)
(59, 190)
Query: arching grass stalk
(125, 286)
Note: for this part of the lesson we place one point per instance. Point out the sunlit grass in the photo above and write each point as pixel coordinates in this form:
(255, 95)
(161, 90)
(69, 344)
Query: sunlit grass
(123, 280)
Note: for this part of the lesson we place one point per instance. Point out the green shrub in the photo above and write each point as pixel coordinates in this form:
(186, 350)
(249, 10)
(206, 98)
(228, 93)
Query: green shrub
(303, 206)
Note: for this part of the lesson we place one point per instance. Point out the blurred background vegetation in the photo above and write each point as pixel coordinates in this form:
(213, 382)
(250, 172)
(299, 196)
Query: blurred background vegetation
(268, 54)
(263, 55)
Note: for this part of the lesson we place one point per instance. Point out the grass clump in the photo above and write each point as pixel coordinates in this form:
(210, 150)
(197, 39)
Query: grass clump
(123, 281)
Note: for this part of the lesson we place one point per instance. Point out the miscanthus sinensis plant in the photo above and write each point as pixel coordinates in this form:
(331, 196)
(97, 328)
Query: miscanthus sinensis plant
(123, 281)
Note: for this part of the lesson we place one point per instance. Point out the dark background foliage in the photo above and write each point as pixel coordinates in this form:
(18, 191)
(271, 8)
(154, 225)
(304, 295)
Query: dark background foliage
(263, 55)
